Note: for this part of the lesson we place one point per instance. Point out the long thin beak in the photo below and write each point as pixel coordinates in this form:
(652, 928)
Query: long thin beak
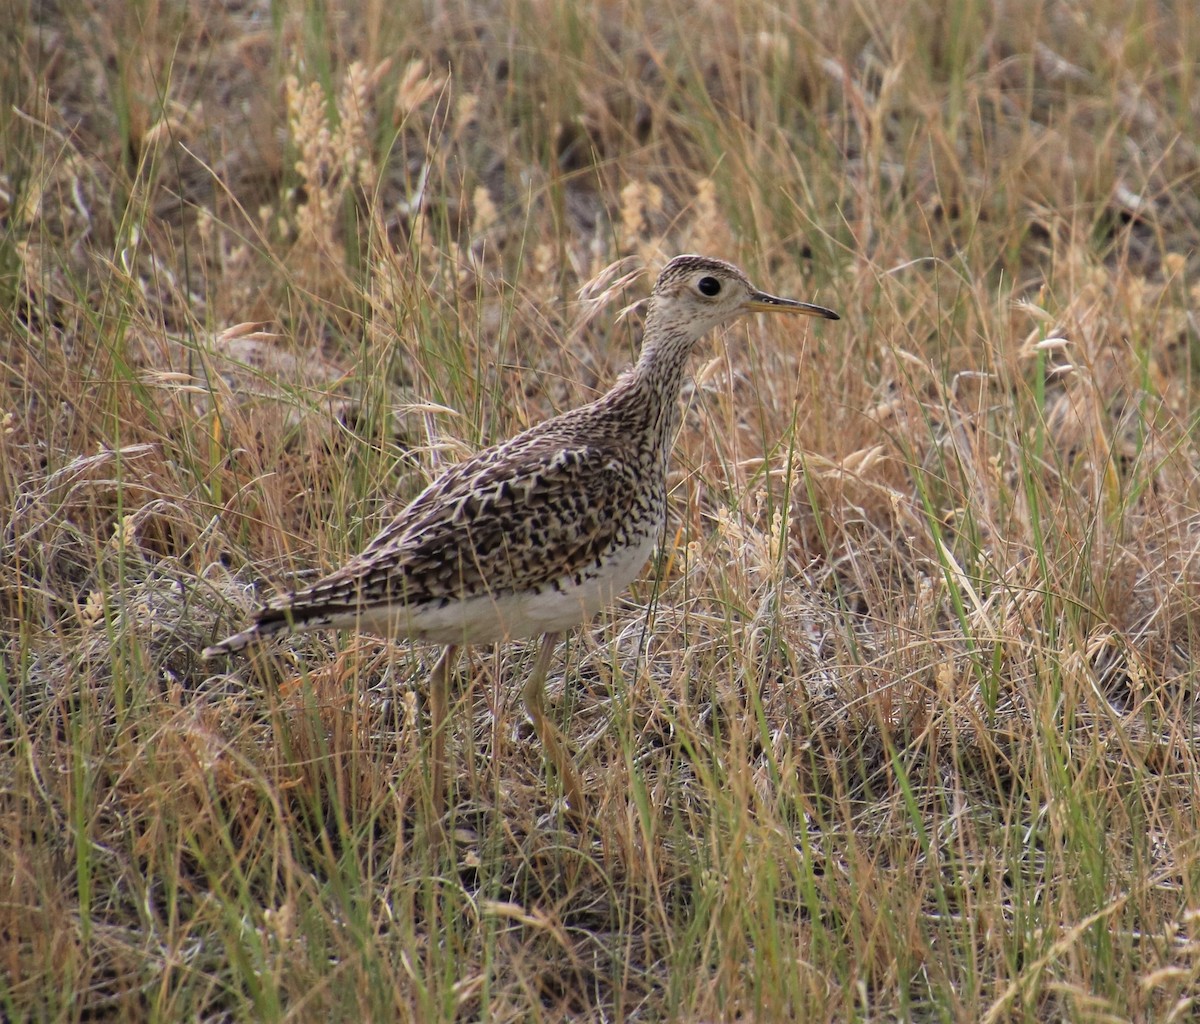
(761, 302)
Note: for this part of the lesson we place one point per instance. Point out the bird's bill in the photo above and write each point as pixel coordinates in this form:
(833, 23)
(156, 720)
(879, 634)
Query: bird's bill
(761, 302)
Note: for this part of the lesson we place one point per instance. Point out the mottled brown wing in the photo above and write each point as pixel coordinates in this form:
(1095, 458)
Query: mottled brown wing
(501, 521)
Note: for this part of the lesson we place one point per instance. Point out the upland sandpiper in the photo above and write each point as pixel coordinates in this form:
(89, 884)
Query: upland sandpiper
(535, 535)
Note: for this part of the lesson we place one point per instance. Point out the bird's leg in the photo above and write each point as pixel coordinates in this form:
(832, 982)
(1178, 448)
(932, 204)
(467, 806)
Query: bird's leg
(553, 741)
(439, 703)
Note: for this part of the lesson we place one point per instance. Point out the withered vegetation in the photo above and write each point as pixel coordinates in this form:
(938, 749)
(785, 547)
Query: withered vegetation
(902, 722)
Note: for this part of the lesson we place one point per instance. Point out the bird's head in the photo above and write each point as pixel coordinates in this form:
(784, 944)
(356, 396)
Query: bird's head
(698, 293)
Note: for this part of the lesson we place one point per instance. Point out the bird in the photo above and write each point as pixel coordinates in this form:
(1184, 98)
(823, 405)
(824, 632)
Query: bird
(535, 535)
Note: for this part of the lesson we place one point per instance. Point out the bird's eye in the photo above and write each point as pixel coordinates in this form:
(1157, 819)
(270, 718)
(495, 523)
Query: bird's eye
(709, 286)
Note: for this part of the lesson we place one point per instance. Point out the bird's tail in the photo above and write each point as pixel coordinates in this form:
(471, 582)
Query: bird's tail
(267, 623)
(288, 613)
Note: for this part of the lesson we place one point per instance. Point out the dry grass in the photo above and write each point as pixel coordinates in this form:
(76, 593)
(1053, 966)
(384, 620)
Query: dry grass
(901, 725)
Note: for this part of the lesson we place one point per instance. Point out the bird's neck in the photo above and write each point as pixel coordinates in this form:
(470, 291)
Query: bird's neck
(648, 393)
(662, 364)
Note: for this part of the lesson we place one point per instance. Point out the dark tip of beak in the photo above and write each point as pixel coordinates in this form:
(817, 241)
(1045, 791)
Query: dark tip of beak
(761, 302)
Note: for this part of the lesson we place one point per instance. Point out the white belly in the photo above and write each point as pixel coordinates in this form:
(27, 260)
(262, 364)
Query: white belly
(489, 619)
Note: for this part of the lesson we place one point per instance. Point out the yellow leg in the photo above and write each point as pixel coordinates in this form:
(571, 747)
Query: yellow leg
(553, 741)
(439, 704)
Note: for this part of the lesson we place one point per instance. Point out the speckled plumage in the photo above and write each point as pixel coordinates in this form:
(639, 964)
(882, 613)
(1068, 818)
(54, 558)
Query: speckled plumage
(536, 534)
